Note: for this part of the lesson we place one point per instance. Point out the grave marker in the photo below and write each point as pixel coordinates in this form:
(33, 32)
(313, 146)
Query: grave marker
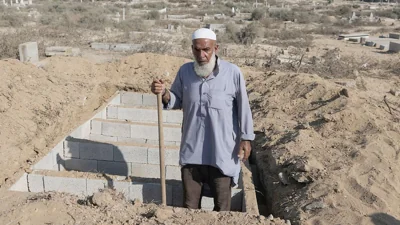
(123, 14)
(28, 52)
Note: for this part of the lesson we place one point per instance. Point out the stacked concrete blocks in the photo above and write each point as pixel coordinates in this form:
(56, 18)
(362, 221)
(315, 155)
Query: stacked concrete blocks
(125, 160)
(111, 143)
(143, 115)
(146, 192)
(108, 130)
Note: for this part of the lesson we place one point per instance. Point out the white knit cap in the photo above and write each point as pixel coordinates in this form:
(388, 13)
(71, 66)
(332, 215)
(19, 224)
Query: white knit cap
(204, 33)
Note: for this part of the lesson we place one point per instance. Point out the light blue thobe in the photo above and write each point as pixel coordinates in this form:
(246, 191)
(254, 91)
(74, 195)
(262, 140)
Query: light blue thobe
(216, 116)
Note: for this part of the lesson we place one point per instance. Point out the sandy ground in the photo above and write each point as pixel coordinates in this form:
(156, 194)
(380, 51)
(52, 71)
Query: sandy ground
(338, 156)
(338, 152)
(110, 208)
(349, 48)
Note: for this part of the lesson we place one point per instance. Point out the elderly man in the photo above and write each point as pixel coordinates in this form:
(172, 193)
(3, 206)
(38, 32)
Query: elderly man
(217, 122)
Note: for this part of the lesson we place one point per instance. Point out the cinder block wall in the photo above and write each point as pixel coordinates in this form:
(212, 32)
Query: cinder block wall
(121, 139)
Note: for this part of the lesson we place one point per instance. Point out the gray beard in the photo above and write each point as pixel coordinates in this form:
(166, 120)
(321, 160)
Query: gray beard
(206, 69)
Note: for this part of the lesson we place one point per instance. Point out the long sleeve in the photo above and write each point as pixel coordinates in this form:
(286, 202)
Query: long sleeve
(244, 111)
(176, 93)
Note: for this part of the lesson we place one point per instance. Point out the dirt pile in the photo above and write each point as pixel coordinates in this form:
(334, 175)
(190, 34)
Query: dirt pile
(58, 208)
(329, 150)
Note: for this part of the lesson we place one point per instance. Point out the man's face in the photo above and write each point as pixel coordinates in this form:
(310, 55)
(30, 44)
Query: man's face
(203, 49)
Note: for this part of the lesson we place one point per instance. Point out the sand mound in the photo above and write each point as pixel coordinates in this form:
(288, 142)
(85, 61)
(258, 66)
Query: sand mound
(336, 152)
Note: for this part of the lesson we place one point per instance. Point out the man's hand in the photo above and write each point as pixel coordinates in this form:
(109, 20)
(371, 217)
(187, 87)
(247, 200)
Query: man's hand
(158, 86)
(244, 150)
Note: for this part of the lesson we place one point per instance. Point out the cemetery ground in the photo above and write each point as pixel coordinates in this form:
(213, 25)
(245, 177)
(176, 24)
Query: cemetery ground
(326, 111)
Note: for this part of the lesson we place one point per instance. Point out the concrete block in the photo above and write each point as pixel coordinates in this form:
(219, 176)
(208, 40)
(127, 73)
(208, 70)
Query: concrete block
(166, 143)
(131, 98)
(114, 168)
(116, 129)
(144, 131)
(100, 115)
(149, 100)
(35, 183)
(98, 151)
(207, 203)
(28, 52)
(82, 131)
(149, 132)
(83, 165)
(102, 138)
(175, 117)
(60, 166)
(77, 133)
(131, 140)
(46, 163)
(138, 115)
(86, 129)
(21, 184)
(116, 100)
(394, 46)
(100, 46)
(173, 172)
(149, 192)
(171, 156)
(58, 152)
(149, 115)
(58, 157)
(172, 133)
(71, 149)
(93, 186)
(62, 51)
(96, 127)
(177, 195)
(112, 112)
(122, 187)
(70, 185)
(145, 170)
(134, 154)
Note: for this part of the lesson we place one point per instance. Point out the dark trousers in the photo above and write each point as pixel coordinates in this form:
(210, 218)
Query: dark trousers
(196, 177)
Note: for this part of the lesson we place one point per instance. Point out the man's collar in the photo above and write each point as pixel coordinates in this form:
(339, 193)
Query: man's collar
(218, 60)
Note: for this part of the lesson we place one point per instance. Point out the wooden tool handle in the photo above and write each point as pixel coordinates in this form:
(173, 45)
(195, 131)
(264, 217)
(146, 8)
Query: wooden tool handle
(161, 149)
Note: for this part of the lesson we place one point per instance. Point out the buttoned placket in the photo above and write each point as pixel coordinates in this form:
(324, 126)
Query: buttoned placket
(204, 90)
